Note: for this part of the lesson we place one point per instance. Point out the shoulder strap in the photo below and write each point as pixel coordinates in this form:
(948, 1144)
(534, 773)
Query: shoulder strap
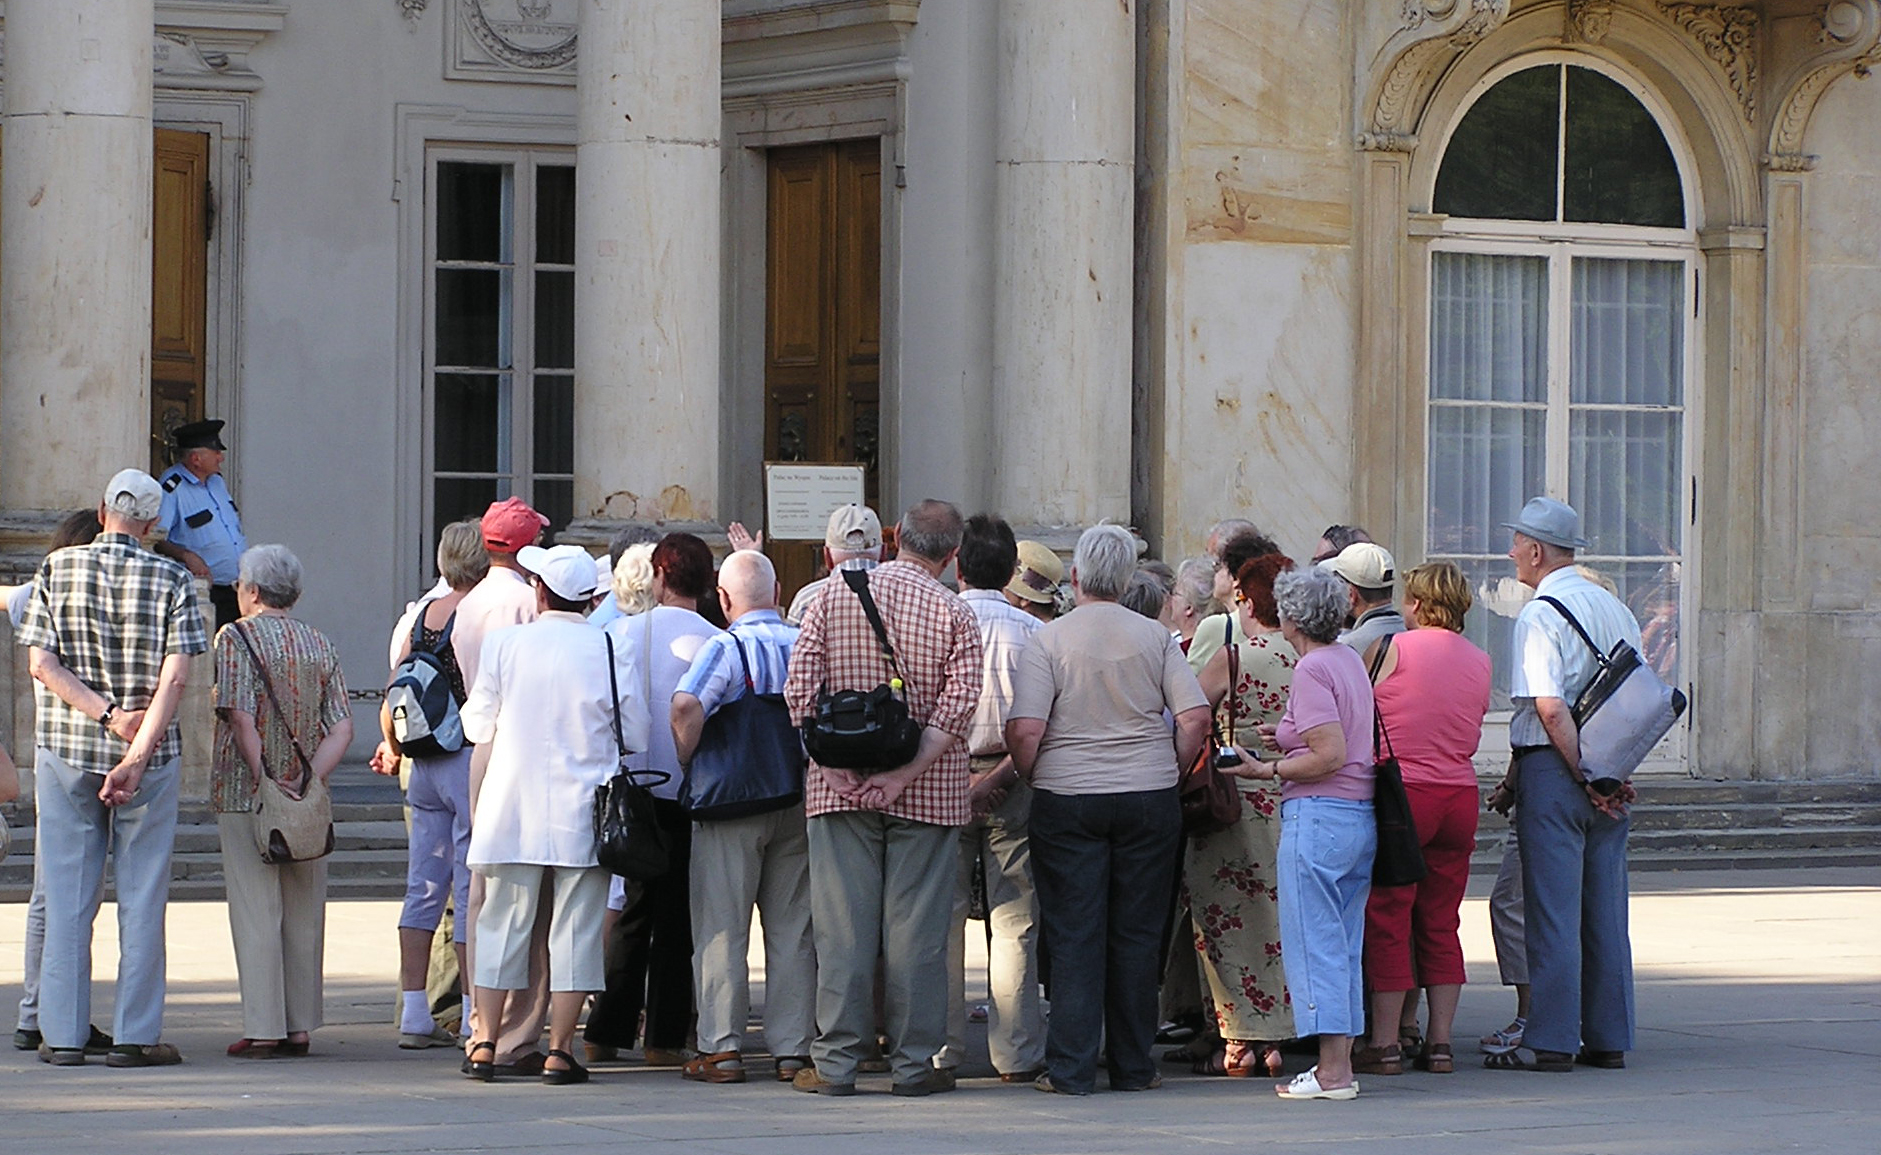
(267, 686)
(613, 697)
(418, 628)
(1234, 678)
(858, 580)
(751, 686)
(1380, 735)
(1578, 628)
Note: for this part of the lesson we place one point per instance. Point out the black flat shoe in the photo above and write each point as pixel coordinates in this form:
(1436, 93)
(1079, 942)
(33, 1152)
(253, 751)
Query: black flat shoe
(484, 1071)
(564, 1076)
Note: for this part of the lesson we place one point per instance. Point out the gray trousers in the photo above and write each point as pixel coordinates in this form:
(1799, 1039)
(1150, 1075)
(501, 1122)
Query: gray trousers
(761, 861)
(1505, 914)
(1015, 1019)
(883, 887)
(75, 831)
(1580, 959)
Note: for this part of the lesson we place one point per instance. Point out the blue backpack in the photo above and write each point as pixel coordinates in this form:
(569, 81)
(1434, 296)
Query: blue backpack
(424, 711)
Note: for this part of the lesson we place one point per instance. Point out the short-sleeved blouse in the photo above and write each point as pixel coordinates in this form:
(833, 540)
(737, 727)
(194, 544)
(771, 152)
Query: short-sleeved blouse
(304, 669)
(1330, 686)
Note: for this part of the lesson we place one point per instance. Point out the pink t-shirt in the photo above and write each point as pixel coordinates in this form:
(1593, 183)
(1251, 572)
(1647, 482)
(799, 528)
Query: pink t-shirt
(1330, 685)
(1433, 705)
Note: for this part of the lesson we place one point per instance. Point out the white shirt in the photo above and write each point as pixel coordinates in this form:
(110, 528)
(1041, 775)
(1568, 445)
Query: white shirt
(1548, 659)
(503, 598)
(541, 703)
(1004, 631)
(664, 640)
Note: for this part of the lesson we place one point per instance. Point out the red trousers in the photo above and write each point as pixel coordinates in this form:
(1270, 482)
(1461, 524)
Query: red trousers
(1417, 924)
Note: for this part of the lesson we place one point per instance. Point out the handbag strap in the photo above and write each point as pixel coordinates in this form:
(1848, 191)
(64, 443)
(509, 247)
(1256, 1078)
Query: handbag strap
(1578, 628)
(751, 685)
(858, 580)
(1234, 677)
(280, 714)
(1380, 734)
(613, 697)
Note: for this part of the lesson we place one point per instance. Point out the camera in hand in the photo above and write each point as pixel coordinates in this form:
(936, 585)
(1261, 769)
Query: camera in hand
(1226, 757)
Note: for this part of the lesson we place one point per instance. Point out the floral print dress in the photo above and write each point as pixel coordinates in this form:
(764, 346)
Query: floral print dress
(1229, 877)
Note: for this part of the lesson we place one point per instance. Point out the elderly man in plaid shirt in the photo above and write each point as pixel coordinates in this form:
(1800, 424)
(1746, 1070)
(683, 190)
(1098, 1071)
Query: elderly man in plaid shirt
(111, 627)
(883, 848)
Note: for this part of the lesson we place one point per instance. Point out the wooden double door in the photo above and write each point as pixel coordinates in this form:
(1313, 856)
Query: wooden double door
(823, 292)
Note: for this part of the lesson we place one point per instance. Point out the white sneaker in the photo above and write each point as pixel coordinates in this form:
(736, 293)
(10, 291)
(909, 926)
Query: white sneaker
(1305, 1085)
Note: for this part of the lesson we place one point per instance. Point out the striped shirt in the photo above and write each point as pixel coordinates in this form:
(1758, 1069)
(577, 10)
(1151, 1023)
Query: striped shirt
(1004, 631)
(717, 676)
(937, 646)
(110, 612)
(304, 669)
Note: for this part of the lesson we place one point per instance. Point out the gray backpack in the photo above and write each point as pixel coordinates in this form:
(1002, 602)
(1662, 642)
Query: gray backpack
(423, 709)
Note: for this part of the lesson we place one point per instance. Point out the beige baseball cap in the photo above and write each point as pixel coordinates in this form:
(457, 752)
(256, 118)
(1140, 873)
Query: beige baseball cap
(1364, 565)
(853, 527)
(134, 494)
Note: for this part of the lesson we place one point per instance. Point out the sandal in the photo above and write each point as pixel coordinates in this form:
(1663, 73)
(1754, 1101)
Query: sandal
(1526, 1059)
(1234, 1060)
(1410, 1042)
(563, 1076)
(1437, 1059)
(485, 1071)
(1267, 1059)
(706, 1069)
(1378, 1060)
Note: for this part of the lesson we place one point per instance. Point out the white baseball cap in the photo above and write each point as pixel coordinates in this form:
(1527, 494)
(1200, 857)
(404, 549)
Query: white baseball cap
(568, 570)
(134, 494)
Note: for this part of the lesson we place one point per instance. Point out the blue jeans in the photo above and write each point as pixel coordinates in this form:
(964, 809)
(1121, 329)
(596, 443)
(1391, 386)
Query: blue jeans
(1580, 958)
(1325, 876)
(1104, 866)
(75, 829)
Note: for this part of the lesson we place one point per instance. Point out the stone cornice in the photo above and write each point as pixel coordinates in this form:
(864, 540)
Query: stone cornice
(204, 44)
(772, 52)
(1848, 39)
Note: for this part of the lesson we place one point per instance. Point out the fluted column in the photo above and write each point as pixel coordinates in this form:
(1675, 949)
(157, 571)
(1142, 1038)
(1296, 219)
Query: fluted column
(647, 262)
(74, 249)
(1063, 318)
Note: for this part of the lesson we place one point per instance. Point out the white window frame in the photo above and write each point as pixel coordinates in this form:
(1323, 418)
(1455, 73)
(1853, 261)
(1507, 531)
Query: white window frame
(1560, 243)
(521, 475)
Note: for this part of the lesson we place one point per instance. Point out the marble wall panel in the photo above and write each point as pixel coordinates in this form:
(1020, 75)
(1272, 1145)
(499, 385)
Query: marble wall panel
(1844, 731)
(1280, 196)
(1782, 700)
(1260, 426)
(1265, 71)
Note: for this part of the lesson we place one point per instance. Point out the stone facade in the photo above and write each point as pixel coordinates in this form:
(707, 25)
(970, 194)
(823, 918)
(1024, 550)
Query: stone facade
(1151, 260)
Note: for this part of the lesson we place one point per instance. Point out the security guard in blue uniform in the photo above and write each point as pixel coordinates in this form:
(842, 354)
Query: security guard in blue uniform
(202, 525)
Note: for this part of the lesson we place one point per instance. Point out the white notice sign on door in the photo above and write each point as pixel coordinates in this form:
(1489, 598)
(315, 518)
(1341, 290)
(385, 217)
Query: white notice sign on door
(799, 497)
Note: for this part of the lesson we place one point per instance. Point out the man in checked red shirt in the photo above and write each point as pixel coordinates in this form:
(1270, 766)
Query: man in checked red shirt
(882, 847)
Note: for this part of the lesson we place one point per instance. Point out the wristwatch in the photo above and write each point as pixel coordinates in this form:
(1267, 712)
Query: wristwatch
(110, 711)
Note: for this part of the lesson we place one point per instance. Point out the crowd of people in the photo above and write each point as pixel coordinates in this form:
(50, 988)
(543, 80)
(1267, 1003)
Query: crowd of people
(1062, 712)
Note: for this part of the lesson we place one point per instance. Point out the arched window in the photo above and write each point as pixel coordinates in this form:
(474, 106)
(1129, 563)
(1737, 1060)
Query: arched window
(1562, 292)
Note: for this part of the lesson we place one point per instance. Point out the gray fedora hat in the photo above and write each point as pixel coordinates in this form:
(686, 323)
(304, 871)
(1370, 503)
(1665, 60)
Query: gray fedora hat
(1554, 522)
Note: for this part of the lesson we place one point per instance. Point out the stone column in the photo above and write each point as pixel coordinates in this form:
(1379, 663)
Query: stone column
(647, 264)
(1063, 283)
(75, 250)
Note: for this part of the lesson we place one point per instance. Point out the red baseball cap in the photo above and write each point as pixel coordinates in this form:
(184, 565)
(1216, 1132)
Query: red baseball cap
(510, 524)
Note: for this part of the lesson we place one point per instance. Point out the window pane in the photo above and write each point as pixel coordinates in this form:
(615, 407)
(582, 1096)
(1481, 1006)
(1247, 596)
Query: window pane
(472, 216)
(555, 320)
(473, 317)
(555, 215)
(555, 500)
(1651, 590)
(1624, 468)
(1619, 167)
(555, 424)
(1488, 327)
(1498, 597)
(471, 423)
(1484, 463)
(455, 498)
(1628, 333)
(1501, 161)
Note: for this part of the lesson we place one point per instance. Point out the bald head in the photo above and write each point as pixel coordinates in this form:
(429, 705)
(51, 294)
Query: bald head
(749, 582)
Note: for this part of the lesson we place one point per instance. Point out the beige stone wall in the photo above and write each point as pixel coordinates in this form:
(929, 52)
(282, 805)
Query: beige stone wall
(1253, 363)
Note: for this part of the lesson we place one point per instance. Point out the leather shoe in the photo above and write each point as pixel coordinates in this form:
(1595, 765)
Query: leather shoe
(937, 1081)
(533, 1063)
(811, 1080)
(145, 1055)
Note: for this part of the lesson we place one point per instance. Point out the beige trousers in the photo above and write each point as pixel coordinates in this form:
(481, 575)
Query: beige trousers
(278, 919)
(524, 1014)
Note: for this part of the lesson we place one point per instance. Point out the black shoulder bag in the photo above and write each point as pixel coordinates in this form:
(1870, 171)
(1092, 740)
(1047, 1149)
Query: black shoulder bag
(628, 838)
(1400, 858)
(864, 730)
(749, 759)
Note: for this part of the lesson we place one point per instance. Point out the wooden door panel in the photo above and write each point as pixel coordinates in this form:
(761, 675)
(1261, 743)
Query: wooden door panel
(800, 195)
(179, 273)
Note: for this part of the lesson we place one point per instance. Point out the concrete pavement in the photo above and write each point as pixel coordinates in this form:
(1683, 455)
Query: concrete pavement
(1759, 1005)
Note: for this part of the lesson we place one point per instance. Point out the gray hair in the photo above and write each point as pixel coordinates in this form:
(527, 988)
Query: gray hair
(1315, 601)
(1225, 530)
(633, 579)
(1145, 595)
(1105, 560)
(1195, 581)
(462, 560)
(931, 530)
(274, 573)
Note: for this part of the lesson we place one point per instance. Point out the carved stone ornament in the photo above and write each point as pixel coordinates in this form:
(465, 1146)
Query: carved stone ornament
(1849, 41)
(412, 9)
(514, 39)
(1728, 34)
(1588, 21)
(1433, 33)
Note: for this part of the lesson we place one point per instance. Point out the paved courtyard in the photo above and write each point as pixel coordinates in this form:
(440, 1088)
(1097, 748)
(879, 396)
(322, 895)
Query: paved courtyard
(1759, 1006)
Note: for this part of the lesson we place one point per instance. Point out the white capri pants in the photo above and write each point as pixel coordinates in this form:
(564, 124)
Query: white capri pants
(511, 893)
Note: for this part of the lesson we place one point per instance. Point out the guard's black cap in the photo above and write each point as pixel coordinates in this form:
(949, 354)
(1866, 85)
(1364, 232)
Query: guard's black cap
(199, 435)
